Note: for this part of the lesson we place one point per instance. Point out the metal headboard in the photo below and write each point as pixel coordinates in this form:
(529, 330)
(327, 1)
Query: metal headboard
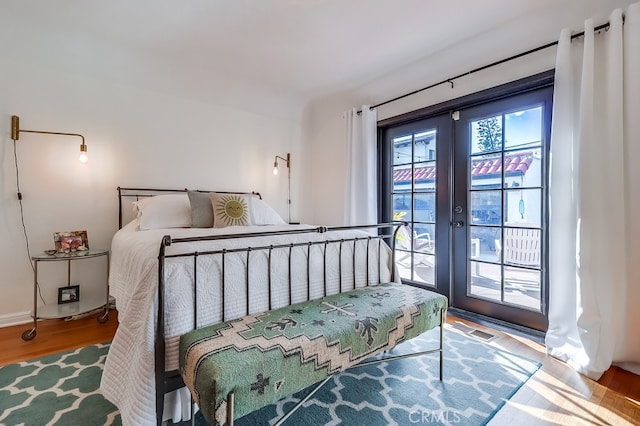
(136, 194)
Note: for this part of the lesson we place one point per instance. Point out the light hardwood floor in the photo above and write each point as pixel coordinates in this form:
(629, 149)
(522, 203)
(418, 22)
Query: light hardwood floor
(555, 395)
(54, 336)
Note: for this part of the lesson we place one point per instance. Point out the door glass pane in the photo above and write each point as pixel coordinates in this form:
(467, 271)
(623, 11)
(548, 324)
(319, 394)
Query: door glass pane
(486, 171)
(424, 206)
(402, 149)
(402, 206)
(521, 247)
(424, 176)
(486, 207)
(423, 237)
(523, 169)
(417, 147)
(402, 178)
(485, 243)
(523, 207)
(486, 134)
(424, 268)
(522, 287)
(425, 146)
(523, 128)
(403, 263)
(486, 281)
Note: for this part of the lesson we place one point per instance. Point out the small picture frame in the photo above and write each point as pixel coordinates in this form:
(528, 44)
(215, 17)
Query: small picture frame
(71, 241)
(68, 294)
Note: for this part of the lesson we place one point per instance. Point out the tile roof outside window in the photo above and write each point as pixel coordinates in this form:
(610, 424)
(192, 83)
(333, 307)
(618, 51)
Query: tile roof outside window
(514, 164)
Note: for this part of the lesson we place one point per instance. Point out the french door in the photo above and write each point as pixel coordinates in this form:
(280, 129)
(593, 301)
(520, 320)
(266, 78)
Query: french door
(499, 208)
(472, 186)
(416, 191)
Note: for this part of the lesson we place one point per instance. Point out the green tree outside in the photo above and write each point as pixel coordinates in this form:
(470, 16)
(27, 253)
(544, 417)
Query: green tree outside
(489, 134)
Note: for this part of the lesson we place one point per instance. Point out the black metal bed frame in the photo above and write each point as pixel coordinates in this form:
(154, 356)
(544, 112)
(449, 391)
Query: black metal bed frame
(167, 381)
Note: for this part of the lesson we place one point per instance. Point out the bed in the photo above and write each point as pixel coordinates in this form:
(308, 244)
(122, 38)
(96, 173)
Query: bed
(159, 261)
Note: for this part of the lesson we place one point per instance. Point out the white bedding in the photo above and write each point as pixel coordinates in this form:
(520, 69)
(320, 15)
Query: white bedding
(128, 378)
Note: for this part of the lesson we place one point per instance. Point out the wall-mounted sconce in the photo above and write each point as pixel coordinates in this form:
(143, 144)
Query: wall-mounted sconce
(275, 172)
(275, 163)
(16, 130)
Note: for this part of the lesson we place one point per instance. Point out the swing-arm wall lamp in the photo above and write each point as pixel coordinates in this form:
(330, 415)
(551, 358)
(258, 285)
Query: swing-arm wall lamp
(275, 162)
(275, 172)
(16, 130)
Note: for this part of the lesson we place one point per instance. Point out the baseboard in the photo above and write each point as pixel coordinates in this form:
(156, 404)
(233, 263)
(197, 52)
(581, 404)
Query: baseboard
(535, 335)
(15, 319)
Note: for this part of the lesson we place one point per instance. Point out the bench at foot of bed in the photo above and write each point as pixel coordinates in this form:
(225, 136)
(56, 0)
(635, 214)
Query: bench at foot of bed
(264, 357)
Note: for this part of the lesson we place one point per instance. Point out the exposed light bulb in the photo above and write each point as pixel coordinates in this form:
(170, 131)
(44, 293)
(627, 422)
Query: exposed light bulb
(275, 170)
(84, 158)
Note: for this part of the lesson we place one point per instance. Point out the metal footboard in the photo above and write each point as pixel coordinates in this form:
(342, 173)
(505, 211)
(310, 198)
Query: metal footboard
(167, 381)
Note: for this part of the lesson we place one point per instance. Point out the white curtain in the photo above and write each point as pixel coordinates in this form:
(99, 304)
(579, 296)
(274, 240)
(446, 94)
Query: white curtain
(361, 192)
(594, 229)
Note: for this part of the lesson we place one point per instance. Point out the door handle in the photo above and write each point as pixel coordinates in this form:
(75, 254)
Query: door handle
(458, 224)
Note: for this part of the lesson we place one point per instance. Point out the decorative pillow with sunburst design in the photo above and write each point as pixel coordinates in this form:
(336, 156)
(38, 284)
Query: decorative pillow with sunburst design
(230, 209)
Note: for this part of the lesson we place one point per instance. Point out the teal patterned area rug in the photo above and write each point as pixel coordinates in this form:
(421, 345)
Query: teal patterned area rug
(60, 389)
(63, 389)
(478, 380)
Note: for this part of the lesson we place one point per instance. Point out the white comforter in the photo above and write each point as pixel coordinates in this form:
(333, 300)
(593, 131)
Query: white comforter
(128, 377)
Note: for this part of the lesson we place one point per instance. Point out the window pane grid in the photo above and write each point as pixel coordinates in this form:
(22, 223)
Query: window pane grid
(505, 209)
(414, 188)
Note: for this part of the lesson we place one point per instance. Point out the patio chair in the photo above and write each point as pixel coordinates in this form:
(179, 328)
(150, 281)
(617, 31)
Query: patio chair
(422, 243)
(521, 247)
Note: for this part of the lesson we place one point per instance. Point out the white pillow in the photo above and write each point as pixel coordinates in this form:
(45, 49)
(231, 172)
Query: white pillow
(163, 211)
(263, 214)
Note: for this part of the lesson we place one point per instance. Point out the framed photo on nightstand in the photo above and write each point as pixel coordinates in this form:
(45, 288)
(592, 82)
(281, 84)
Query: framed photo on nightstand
(71, 241)
(68, 294)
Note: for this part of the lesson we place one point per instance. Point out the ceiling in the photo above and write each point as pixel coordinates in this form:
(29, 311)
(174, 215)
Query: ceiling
(289, 51)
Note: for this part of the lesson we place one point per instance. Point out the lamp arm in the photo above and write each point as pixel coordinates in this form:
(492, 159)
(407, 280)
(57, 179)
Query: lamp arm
(16, 130)
(51, 133)
(288, 160)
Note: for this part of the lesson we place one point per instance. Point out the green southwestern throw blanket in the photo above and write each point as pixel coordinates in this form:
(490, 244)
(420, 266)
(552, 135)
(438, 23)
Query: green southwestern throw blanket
(267, 356)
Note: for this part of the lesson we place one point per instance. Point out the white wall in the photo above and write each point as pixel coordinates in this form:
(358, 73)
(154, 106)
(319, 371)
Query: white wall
(135, 137)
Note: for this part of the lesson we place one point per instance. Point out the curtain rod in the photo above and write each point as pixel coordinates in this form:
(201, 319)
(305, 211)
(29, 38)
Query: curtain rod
(449, 80)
